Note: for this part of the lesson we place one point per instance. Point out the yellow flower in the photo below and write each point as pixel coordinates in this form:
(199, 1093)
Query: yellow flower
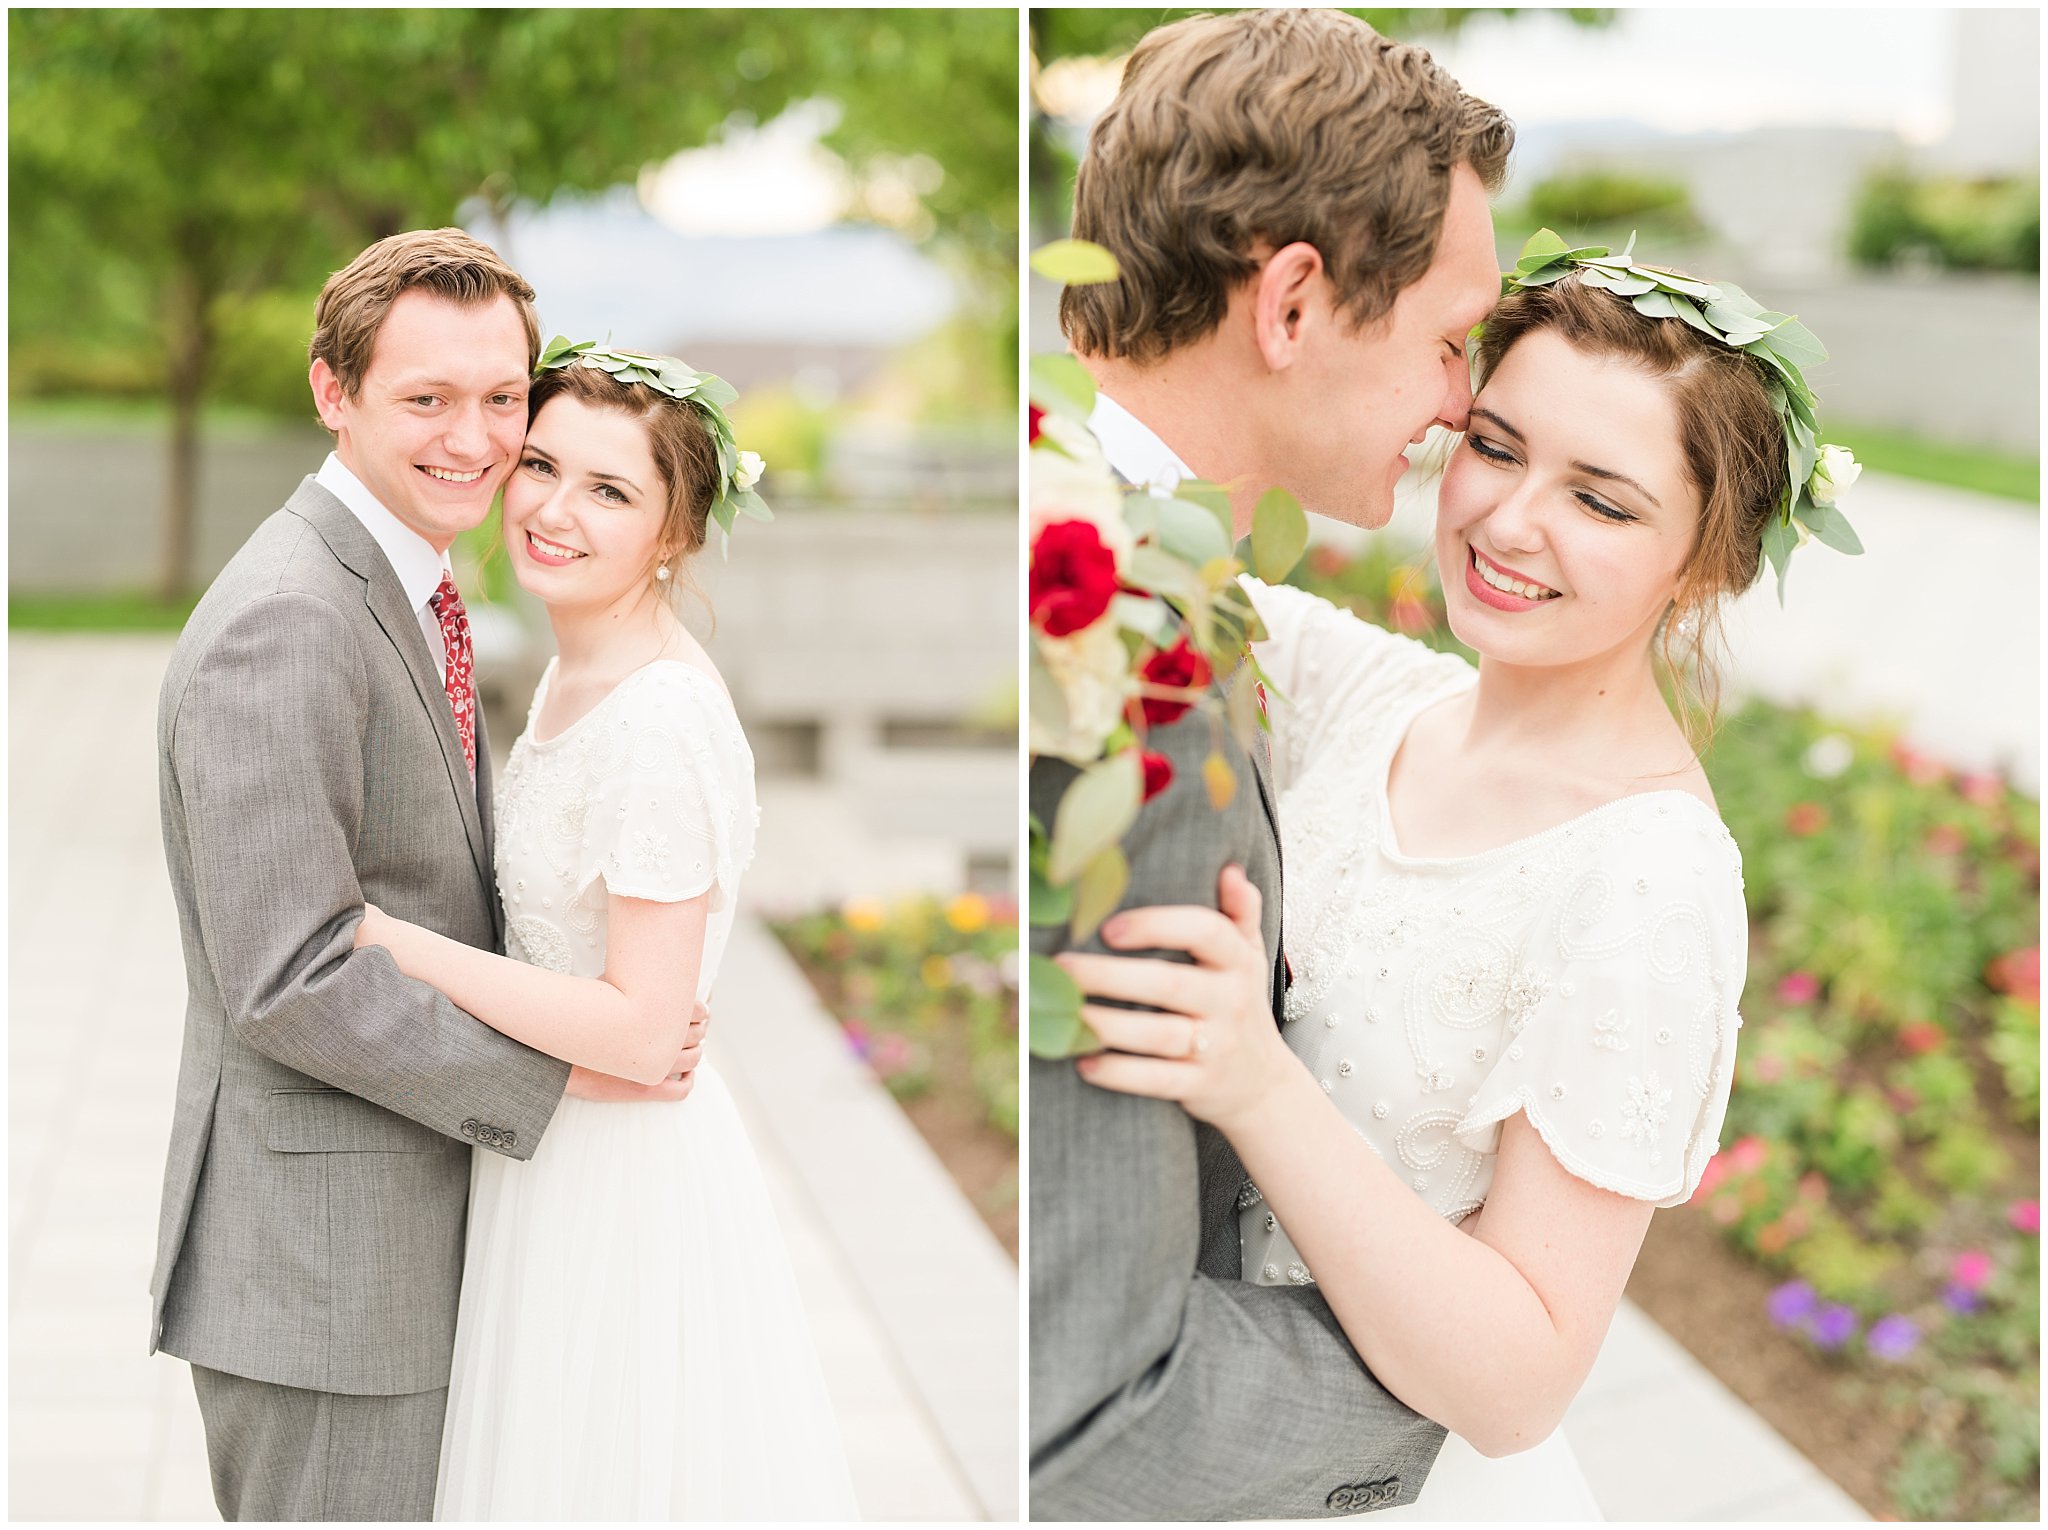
(937, 972)
(864, 915)
(967, 913)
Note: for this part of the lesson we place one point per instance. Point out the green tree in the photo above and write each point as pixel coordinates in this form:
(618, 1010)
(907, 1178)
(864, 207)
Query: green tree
(166, 164)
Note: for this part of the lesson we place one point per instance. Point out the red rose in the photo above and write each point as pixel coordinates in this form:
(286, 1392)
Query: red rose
(1158, 773)
(1921, 1037)
(1179, 667)
(1037, 414)
(1073, 577)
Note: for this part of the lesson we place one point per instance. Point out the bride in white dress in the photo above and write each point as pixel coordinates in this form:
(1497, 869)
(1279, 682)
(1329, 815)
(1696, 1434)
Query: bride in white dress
(630, 1342)
(1513, 916)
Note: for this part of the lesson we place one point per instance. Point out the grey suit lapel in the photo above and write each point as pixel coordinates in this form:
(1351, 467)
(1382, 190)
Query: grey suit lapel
(351, 542)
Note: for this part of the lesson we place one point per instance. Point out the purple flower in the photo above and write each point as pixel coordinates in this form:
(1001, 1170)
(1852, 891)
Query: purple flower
(1833, 1326)
(1961, 1299)
(1893, 1337)
(1791, 1304)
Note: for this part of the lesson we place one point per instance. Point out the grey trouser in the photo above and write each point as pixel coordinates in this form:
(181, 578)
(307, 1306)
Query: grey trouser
(283, 1453)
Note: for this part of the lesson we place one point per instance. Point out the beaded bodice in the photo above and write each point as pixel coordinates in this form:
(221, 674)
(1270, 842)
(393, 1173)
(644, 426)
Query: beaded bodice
(1586, 976)
(650, 794)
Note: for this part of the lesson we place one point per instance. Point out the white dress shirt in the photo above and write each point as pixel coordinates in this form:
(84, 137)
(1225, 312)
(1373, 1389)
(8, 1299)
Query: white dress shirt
(411, 556)
(1145, 461)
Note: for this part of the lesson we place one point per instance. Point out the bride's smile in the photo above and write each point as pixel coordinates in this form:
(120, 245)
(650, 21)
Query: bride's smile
(583, 512)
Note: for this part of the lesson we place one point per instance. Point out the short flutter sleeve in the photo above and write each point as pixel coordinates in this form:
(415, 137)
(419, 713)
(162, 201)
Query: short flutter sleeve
(1335, 671)
(672, 810)
(1620, 1041)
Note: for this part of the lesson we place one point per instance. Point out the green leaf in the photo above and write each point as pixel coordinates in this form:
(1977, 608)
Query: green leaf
(1633, 286)
(1189, 531)
(1048, 704)
(1097, 892)
(1544, 243)
(1057, 1029)
(1242, 709)
(1685, 309)
(1151, 568)
(1061, 384)
(1051, 903)
(1797, 344)
(1208, 495)
(716, 390)
(1279, 534)
(1654, 305)
(1829, 527)
(1779, 541)
(1093, 815)
(752, 505)
(1075, 263)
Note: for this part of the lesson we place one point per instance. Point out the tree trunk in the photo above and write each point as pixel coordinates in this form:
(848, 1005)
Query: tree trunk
(191, 349)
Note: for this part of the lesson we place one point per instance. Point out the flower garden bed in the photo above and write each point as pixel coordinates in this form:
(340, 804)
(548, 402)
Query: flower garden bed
(926, 993)
(1861, 1263)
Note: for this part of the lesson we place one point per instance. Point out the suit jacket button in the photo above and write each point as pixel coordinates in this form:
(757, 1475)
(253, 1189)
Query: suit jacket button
(469, 1127)
(511, 1137)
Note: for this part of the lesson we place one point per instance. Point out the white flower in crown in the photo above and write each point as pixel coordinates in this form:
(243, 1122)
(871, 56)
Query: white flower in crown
(1833, 475)
(748, 471)
(1090, 672)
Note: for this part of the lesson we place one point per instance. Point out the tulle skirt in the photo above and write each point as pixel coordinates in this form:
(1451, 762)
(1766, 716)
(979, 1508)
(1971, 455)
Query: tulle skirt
(631, 1344)
(1541, 1483)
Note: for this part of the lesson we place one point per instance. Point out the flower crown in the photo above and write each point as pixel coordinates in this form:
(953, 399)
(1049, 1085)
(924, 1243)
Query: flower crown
(1815, 475)
(738, 471)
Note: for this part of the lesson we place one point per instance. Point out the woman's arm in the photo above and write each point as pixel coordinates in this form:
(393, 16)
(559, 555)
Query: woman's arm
(1488, 1329)
(630, 1023)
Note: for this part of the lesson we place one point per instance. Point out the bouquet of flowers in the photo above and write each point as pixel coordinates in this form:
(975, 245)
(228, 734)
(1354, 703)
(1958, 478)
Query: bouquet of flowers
(1135, 610)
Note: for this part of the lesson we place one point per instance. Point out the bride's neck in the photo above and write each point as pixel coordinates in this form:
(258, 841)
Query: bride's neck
(1605, 709)
(633, 630)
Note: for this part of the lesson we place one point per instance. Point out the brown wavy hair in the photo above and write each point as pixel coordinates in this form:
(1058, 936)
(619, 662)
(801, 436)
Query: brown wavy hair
(444, 261)
(1731, 438)
(685, 454)
(1264, 128)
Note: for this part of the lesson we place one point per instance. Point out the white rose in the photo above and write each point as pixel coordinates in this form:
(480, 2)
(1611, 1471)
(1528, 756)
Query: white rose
(748, 473)
(1833, 475)
(1065, 490)
(1090, 670)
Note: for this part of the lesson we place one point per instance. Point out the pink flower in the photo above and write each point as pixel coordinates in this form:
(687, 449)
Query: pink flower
(1980, 787)
(2017, 973)
(1921, 1037)
(1971, 1269)
(1920, 769)
(1748, 1154)
(1769, 1069)
(1710, 1179)
(1804, 818)
(1944, 839)
(1798, 988)
(2025, 1216)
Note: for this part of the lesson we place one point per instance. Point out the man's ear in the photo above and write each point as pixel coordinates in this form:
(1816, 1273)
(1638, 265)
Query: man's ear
(327, 394)
(1286, 287)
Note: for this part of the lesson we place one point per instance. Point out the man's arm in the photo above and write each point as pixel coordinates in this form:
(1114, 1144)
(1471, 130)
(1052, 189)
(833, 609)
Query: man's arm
(266, 754)
(1156, 1392)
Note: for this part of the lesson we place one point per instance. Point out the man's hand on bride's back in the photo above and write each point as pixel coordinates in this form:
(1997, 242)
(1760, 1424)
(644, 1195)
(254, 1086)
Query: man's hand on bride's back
(682, 1076)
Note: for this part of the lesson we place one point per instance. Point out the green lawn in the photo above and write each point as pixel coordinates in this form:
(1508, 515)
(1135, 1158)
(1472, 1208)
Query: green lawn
(119, 611)
(1962, 467)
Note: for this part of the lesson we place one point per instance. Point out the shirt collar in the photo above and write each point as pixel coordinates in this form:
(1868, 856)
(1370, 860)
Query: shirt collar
(412, 557)
(1136, 453)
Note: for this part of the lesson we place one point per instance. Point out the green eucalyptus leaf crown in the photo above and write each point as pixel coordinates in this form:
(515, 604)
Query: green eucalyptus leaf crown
(738, 471)
(1815, 474)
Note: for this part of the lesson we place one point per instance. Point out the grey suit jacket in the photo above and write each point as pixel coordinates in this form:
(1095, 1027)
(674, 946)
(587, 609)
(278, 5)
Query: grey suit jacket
(318, 1175)
(1162, 1386)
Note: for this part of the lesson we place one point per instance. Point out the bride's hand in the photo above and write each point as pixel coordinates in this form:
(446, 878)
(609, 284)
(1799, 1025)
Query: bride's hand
(1216, 1049)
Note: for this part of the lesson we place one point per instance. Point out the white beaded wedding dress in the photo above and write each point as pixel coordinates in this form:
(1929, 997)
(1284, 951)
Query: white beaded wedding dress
(630, 1343)
(1586, 976)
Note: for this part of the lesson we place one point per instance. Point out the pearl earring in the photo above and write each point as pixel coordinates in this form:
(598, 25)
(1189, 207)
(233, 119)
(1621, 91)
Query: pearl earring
(662, 573)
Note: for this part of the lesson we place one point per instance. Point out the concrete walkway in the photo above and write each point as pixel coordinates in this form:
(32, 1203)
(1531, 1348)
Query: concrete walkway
(912, 1303)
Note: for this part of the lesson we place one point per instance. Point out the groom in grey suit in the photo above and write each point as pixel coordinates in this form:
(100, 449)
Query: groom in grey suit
(319, 745)
(1298, 209)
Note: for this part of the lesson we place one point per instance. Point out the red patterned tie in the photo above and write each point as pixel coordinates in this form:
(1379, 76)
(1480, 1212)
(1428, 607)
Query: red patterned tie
(454, 620)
